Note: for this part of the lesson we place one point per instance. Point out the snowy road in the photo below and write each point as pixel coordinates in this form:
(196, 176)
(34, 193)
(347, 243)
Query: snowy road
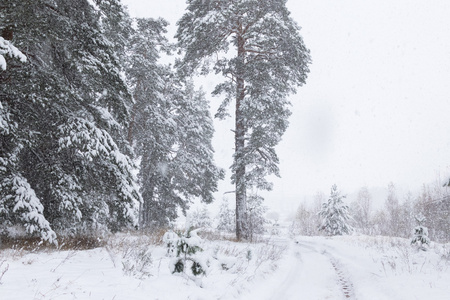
(304, 273)
(311, 276)
(320, 269)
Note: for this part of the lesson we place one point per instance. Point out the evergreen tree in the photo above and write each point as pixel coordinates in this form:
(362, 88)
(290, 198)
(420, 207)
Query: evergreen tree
(188, 245)
(27, 209)
(68, 108)
(420, 234)
(171, 130)
(271, 60)
(334, 214)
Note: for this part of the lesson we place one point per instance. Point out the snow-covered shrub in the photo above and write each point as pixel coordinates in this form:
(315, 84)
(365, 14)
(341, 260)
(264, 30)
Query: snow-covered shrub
(200, 218)
(82, 241)
(445, 253)
(420, 237)
(170, 239)
(307, 221)
(226, 217)
(246, 259)
(255, 216)
(137, 261)
(268, 252)
(188, 245)
(3, 269)
(249, 254)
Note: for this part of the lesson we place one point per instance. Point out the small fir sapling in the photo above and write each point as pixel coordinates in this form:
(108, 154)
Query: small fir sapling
(170, 239)
(188, 244)
(420, 234)
(273, 218)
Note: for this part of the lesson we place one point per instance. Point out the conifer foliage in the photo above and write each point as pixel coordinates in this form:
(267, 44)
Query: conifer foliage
(188, 260)
(64, 160)
(334, 214)
(85, 99)
(7, 49)
(171, 130)
(271, 60)
(420, 237)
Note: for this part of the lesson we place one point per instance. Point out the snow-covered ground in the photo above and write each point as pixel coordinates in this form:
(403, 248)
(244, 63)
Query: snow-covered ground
(363, 268)
(131, 267)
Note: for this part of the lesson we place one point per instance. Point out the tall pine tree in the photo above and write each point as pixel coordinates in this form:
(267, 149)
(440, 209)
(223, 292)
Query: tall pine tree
(257, 48)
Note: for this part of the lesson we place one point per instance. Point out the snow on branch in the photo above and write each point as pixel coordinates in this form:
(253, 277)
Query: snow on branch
(29, 209)
(6, 48)
(92, 142)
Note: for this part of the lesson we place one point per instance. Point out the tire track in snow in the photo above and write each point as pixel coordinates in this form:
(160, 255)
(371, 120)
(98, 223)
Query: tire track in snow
(344, 282)
(294, 273)
(306, 275)
(346, 285)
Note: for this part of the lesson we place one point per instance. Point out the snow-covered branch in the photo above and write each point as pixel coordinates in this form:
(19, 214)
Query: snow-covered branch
(8, 49)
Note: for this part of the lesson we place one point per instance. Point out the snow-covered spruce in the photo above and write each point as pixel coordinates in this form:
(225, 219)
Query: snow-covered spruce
(170, 239)
(420, 238)
(334, 214)
(188, 260)
(19, 204)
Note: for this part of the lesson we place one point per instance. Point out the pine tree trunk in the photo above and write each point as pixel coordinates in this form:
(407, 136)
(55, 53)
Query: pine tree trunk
(145, 213)
(132, 120)
(131, 126)
(241, 230)
(147, 192)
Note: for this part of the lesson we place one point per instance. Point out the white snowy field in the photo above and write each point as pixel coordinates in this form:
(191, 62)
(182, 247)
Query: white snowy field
(131, 267)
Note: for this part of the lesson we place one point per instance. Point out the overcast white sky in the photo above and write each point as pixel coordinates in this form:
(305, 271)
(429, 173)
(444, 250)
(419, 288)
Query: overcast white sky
(376, 105)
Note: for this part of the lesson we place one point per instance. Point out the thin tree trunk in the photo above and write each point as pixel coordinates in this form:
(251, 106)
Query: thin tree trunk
(147, 192)
(241, 207)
